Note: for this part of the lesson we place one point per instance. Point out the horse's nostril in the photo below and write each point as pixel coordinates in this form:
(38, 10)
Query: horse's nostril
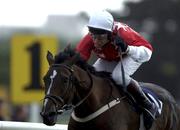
(41, 113)
(52, 114)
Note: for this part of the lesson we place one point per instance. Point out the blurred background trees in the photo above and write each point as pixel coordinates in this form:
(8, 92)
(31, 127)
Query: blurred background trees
(159, 22)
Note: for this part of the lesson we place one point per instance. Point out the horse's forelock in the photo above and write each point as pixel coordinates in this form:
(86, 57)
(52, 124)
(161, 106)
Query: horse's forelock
(60, 58)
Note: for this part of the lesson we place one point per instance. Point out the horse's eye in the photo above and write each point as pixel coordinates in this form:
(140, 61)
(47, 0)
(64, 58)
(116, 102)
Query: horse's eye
(64, 82)
(65, 79)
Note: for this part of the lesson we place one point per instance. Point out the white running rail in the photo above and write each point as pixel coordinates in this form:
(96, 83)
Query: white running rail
(9, 125)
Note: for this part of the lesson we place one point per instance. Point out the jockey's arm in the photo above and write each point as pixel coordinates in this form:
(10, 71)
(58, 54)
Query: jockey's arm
(85, 47)
(138, 48)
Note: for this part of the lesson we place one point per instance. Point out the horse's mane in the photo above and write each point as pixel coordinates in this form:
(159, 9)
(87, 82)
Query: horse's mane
(69, 53)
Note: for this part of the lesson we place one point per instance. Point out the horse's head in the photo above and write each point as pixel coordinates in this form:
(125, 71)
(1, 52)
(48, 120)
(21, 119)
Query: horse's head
(59, 82)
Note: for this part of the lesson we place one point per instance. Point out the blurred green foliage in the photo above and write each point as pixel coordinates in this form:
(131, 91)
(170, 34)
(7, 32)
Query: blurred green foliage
(159, 22)
(4, 62)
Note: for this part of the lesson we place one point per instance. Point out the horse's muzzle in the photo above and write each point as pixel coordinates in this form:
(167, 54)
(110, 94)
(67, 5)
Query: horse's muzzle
(49, 118)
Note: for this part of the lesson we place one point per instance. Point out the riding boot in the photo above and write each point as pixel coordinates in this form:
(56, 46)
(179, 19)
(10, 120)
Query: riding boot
(136, 92)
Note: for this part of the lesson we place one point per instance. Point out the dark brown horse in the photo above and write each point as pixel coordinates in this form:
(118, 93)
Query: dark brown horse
(97, 103)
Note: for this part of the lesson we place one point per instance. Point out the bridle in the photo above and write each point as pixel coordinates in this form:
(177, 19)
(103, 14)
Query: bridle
(72, 81)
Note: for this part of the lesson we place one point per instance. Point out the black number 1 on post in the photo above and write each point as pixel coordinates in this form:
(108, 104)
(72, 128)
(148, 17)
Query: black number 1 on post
(34, 51)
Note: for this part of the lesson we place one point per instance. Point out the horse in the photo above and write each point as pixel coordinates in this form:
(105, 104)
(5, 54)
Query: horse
(95, 100)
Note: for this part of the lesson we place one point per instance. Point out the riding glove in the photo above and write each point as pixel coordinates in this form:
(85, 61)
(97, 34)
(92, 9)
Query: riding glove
(121, 44)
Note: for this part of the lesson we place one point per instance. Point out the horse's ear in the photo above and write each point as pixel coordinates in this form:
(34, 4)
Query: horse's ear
(68, 47)
(50, 58)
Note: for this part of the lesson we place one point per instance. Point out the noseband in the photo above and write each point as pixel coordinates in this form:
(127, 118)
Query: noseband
(71, 81)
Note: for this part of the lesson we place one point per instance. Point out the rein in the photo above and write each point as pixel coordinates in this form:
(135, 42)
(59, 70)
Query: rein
(55, 100)
(91, 86)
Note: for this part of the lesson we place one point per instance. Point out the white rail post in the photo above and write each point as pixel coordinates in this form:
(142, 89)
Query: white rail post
(9, 125)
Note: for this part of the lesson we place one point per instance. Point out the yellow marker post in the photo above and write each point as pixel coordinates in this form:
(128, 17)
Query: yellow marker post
(28, 66)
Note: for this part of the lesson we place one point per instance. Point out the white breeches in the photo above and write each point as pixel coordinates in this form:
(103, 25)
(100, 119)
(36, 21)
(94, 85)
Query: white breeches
(129, 63)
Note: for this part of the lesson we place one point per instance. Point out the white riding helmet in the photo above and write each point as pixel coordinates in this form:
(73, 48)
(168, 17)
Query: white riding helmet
(101, 20)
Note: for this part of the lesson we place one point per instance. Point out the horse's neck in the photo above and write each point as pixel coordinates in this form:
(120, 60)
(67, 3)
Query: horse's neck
(90, 104)
(102, 92)
(83, 85)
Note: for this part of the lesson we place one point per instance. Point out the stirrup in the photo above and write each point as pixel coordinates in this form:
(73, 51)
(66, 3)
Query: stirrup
(148, 119)
(154, 113)
(149, 116)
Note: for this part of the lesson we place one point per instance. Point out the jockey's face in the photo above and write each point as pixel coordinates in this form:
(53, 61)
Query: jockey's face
(99, 36)
(99, 39)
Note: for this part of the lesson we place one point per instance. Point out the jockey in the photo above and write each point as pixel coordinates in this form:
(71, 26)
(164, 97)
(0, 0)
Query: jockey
(108, 40)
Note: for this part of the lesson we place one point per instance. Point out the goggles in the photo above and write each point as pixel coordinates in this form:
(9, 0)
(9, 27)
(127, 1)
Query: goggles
(97, 31)
(99, 36)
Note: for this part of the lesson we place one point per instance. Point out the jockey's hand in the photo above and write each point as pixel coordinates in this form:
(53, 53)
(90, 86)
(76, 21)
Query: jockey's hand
(121, 44)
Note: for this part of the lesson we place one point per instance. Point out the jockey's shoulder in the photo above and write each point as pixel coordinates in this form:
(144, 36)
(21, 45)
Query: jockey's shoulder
(119, 26)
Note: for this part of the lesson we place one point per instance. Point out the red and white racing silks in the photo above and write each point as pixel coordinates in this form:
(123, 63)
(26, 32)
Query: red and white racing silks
(138, 48)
